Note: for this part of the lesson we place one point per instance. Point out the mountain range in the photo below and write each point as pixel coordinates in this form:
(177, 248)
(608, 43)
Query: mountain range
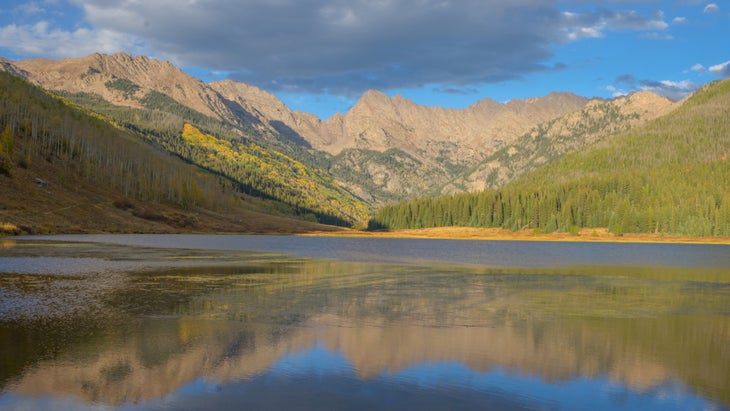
(383, 149)
(668, 175)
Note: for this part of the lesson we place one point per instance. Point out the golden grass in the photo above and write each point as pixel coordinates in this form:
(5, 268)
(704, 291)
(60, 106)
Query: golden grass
(470, 233)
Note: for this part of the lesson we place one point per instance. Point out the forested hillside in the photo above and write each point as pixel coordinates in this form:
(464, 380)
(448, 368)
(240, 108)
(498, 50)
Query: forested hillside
(258, 170)
(669, 176)
(62, 169)
(38, 127)
(270, 174)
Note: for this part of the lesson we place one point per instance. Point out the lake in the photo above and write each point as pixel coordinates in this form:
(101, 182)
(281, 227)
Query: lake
(229, 322)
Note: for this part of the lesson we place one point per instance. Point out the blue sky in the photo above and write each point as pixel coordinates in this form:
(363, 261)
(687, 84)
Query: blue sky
(319, 56)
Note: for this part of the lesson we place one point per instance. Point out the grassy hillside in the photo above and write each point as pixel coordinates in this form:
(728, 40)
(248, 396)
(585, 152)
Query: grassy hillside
(63, 170)
(670, 176)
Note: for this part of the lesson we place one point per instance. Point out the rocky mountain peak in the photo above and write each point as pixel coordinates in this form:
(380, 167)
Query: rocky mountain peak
(97, 73)
(487, 106)
(374, 97)
(372, 101)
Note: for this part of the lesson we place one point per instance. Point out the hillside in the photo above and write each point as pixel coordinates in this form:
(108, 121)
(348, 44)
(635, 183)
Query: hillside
(157, 100)
(125, 81)
(63, 170)
(99, 82)
(669, 176)
(552, 139)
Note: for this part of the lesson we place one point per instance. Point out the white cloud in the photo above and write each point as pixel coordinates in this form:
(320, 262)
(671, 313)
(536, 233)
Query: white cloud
(615, 92)
(698, 67)
(711, 8)
(679, 20)
(40, 39)
(721, 70)
(594, 25)
(675, 90)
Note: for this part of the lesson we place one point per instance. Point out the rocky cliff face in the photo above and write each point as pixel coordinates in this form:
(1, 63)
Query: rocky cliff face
(272, 114)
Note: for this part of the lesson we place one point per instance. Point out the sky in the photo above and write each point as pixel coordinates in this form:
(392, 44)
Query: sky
(319, 56)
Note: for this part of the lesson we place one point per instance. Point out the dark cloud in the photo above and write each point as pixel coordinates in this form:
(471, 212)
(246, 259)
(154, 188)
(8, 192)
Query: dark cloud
(457, 91)
(345, 46)
(340, 47)
(627, 79)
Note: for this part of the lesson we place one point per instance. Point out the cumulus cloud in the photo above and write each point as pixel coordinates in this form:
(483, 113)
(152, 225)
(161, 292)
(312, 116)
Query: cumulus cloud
(721, 70)
(340, 47)
(679, 20)
(698, 67)
(595, 24)
(41, 39)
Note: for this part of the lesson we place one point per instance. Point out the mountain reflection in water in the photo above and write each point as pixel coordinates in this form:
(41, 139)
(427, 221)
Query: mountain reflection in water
(230, 331)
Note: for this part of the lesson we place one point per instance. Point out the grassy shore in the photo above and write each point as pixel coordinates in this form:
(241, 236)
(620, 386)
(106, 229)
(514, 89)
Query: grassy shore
(470, 233)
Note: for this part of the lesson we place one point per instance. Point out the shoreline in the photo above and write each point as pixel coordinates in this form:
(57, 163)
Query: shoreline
(498, 234)
(443, 233)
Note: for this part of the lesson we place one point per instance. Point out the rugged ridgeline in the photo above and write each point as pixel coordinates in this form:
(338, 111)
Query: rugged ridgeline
(382, 149)
(63, 169)
(166, 106)
(391, 148)
(554, 138)
(669, 175)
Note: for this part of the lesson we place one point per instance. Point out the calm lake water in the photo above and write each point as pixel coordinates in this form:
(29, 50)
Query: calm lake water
(197, 322)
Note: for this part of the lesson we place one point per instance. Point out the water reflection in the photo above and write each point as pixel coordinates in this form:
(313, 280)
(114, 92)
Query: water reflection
(264, 331)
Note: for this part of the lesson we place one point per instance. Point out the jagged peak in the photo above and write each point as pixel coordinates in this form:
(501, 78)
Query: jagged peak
(487, 104)
(646, 95)
(372, 101)
(237, 89)
(374, 96)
